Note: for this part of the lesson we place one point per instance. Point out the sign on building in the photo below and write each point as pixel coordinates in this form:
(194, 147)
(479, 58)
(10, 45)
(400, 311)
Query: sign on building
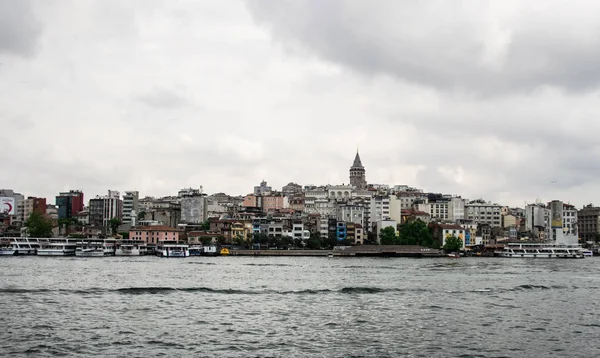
(7, 205)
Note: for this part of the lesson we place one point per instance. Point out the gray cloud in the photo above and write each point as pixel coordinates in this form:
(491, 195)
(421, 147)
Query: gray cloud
(19, 28)
(483, 47)
(163, 98)
(493, 99)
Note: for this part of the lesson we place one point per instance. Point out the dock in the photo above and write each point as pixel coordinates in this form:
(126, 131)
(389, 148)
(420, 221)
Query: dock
(350, 251)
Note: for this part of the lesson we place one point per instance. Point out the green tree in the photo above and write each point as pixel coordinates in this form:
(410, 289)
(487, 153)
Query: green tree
(453, 243)
(387, 236)
(114, 225)
(206, 225)
(331, 241)
(416, 233)
(38, 225)
(314, 242)
(141, 215)
(124, 235)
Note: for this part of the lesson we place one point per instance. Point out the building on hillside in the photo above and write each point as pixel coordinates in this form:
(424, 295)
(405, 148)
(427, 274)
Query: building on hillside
(589, 223)
(34, 205)
(483, 212)
(154, 234)
(193, 208)
(538, 222)
(69, 203)
(130, 207)
(262, 189)
(291, 188)
(358, 174)
(351, 213)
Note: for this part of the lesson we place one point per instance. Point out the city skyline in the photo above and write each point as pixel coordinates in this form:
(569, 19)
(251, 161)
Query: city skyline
(154, 96)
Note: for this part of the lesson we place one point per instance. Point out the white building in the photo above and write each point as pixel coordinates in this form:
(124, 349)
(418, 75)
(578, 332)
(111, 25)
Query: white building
(382, 224)
(456, 209)
(130, 207)
(351, 213)
(379, 209)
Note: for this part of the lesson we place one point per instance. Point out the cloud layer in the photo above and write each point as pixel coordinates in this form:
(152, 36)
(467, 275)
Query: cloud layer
(487, 99)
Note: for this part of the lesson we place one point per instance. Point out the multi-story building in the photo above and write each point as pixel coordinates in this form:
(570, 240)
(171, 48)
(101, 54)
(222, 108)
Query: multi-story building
(154, 234)
(193, 208)
(103, 209)
(130, 207)
(34, 205)
(69, 203)
(483, 212)
(14, 205)
(351, 213)
(379, 209)
(382, 224)
(538, 221)
(589, 223)
(291, 188)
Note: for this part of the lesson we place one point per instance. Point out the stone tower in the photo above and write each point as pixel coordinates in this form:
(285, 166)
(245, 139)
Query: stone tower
(357, 174)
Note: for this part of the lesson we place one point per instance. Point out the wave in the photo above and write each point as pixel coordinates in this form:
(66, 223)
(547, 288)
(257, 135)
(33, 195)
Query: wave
(153, 290)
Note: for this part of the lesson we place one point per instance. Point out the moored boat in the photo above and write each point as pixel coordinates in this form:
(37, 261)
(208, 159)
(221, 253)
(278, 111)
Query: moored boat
(6, 248)
(25, 245)
(172, 249)
(59, 246)
(455, 255)
(520, 250)
(130, 248)
(95, 247)
(587, 253)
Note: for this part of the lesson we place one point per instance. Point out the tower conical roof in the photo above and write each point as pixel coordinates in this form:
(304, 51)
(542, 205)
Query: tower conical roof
(357, 162)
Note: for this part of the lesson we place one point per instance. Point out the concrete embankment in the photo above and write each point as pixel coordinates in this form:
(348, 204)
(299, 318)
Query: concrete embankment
(279, 252)
(350, 251)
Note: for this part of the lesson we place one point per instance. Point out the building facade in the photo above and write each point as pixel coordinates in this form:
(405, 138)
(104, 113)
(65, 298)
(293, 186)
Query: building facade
(130, 207)
(69, 203)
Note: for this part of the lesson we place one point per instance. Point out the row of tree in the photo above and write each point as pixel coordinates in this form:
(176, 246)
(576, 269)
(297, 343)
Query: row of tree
(416, 233)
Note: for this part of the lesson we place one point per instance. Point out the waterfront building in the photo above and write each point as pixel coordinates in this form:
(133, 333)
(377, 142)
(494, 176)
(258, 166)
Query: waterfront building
(69, 203)
(358, 174)
(154, 234)
(441, 232)
(15, 204)
(382, 224)
(351, 213)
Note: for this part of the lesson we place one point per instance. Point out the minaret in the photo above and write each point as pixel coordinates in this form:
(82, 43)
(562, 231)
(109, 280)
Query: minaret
(357, 173)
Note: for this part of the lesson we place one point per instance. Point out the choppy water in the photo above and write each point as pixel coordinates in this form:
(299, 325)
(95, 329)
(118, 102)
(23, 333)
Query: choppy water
(299, 307)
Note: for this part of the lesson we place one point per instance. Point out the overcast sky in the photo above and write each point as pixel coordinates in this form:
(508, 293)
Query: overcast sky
(489, 99)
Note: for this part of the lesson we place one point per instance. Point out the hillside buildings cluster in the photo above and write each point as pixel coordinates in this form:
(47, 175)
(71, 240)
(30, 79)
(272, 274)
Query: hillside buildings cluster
(353, 213)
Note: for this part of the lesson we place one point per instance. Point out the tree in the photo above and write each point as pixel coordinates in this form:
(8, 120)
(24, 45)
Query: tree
(141, 215)
(114, 225)
(124, 235)
(387, 236)
(416, 233)
(206, 225)
(314, 242)
(453, 243)
(331, 241)
(38, 225)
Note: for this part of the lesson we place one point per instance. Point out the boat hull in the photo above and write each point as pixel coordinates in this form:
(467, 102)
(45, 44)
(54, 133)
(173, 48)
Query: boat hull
(542, 256)
(96, 253)
(58, 252)
(8, 252)
(128, 252)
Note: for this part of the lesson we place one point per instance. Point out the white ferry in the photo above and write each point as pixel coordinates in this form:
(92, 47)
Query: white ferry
(172, 249)
(95, 247)
(25, 245)
(57, 247)
(541, 251)
(130, 248)
(587, 253)
(6, 248)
